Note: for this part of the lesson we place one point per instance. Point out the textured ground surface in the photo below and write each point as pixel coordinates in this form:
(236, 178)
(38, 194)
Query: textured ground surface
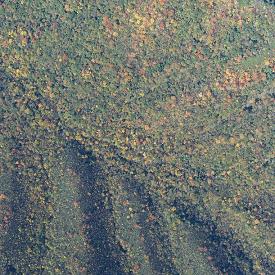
(136, 137)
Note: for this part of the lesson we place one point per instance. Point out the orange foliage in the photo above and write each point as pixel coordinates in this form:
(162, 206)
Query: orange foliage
(107, 23)
(3, 197)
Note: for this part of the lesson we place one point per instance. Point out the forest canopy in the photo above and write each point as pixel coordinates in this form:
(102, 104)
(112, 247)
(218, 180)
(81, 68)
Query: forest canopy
(136, 137)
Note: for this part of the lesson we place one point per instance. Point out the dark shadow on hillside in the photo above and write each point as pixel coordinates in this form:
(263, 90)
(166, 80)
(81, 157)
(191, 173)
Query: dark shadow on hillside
(15, 243)
(218, 246)
(109, 256)
(156, 243)
(106, 258)
(12, 241)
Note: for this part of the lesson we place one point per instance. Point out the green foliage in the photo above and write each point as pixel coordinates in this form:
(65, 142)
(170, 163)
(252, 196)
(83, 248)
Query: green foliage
(176, 94)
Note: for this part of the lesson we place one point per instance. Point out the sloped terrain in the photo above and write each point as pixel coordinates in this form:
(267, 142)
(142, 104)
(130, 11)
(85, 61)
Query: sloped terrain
(136, 137)
(96, 225)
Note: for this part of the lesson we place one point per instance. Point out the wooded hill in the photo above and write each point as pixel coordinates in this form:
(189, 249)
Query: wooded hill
(136, 137)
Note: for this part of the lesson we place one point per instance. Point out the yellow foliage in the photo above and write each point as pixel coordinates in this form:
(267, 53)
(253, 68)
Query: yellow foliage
(3, 197)
(86, 74)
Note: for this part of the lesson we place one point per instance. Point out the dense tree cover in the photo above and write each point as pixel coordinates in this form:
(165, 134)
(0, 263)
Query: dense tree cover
(174, 96)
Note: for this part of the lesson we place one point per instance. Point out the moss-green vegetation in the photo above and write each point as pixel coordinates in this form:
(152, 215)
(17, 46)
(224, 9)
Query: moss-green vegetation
(174, 96)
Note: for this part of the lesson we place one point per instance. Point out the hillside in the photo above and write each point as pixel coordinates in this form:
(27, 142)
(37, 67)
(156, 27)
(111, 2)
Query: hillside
(136, 137)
